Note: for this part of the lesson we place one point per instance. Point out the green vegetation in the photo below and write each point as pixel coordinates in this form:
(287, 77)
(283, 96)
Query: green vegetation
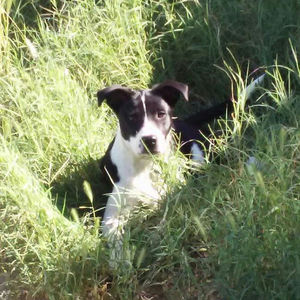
(229, 230)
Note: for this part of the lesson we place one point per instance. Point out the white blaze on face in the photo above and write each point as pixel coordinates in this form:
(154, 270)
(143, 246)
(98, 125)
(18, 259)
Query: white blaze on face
(149, 128)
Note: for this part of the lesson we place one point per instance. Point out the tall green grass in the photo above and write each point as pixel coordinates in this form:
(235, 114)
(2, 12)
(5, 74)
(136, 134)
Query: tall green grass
(224, 230)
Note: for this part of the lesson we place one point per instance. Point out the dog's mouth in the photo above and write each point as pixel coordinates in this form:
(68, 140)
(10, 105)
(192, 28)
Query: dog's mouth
(148, 152)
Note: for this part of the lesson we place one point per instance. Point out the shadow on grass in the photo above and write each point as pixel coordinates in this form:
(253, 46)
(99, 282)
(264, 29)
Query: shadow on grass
(203, 35)
(69, 191)
(29, 12)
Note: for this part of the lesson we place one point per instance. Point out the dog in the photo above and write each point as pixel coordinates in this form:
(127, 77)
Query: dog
(145, 125)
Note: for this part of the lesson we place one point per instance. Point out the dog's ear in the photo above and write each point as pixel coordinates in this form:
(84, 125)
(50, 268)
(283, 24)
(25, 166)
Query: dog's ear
(170, 91)
(115, 96)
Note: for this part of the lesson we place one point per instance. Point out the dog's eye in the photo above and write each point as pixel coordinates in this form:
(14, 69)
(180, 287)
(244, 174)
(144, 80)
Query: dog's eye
(161, 114)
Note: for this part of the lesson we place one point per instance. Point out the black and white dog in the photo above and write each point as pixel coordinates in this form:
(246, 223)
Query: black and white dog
(145, 123)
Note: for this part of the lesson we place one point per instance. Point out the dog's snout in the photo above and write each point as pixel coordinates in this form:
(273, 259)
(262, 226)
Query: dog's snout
(150, 142)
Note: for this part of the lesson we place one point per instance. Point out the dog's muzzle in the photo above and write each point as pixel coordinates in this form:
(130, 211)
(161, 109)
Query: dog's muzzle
(149, 144)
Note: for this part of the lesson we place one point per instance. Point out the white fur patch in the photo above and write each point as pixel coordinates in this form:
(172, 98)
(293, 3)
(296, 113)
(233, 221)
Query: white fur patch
(135, 185)
(251, 87)
(197, 153)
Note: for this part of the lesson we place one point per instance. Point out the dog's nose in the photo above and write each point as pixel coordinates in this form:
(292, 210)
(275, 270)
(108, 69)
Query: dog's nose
(149, 142)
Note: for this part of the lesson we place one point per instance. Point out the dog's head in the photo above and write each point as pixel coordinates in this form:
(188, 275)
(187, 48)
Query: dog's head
(145, 117)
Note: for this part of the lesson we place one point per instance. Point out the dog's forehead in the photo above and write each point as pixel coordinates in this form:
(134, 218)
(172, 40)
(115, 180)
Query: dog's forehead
(154, 102)
(145, 99)
(134, 103)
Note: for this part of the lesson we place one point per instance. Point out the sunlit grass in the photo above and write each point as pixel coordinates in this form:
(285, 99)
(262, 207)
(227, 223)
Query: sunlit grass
(226, 229)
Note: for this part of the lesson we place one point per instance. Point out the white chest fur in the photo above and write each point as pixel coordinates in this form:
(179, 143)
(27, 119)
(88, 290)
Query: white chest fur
(135, 185)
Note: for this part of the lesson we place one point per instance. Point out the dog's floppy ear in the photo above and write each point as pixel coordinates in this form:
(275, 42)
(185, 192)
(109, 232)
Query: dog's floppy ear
(170, 91)
(115, 96)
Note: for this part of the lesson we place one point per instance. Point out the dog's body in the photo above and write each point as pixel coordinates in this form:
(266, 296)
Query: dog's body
(145, 123)
(145, 119)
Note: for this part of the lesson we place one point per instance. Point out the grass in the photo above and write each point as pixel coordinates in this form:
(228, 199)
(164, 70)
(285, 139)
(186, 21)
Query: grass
(227, 230)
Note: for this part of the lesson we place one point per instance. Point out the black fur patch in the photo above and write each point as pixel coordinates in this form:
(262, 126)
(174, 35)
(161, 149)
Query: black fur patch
(131, 117)
(108, 168)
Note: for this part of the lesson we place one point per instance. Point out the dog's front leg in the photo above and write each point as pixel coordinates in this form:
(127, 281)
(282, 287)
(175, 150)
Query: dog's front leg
(113, 228)
(111, 221)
